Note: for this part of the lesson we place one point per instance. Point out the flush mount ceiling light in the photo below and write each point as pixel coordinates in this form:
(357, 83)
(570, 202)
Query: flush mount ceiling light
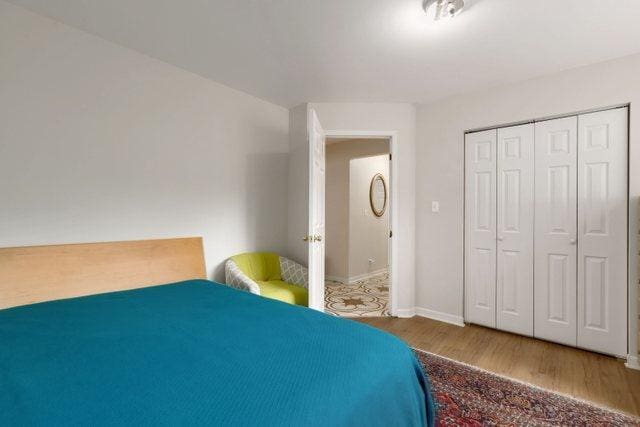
(441, 9)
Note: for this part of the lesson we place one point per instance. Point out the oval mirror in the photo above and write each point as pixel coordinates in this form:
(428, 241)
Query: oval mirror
(378, 195)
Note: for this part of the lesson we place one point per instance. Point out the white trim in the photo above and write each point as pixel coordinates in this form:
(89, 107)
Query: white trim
(352, 280)
(392, 136)
(547, 118)
(406, 313)
(372, 134)
(366, 276)
(440, 316)
(632, 362)
(633, 281)
(316, 293)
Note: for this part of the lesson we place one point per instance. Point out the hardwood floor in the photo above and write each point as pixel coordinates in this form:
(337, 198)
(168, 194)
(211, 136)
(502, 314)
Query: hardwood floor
(600, 379)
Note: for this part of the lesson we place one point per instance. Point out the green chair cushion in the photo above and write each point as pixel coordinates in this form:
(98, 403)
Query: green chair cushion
(259, 266)
(283, 291)
(264, 269)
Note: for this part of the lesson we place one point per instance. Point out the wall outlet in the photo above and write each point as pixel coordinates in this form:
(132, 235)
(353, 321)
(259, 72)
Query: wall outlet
(435, 206)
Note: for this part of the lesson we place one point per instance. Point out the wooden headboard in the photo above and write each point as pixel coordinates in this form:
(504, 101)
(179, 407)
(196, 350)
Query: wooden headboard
(43, 273)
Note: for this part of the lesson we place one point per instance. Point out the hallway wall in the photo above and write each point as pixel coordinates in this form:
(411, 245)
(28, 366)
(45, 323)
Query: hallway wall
(368, 234)
(339, 153)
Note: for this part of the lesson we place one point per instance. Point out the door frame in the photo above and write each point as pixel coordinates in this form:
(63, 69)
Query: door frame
(392, 136)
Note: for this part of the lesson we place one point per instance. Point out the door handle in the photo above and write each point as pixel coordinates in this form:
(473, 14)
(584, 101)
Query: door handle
(500, 238)
(573, 241)
(317, 238)
(306, 239)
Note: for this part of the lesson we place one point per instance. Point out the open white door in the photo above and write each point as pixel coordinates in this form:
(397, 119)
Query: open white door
(315, 237)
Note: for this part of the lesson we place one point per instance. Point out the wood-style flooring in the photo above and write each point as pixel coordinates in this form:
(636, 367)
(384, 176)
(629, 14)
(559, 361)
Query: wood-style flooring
(597, 378)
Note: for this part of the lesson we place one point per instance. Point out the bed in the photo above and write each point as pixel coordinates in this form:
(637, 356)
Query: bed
(197, 353)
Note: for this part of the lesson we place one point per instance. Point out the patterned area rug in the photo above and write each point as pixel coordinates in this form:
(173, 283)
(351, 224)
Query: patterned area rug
(469, 396)
(364, 298)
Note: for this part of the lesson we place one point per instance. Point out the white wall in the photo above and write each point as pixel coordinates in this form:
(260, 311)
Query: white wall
(400, 118)
(298, 186)
(368, 233)
(338, 155)
(100, 143)
(440, 127)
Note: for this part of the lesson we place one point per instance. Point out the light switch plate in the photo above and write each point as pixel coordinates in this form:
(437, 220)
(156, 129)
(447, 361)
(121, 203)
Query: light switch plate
(435, 206)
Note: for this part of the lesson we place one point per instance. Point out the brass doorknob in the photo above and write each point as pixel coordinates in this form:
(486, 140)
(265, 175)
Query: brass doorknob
(317, 238)
(307, 239)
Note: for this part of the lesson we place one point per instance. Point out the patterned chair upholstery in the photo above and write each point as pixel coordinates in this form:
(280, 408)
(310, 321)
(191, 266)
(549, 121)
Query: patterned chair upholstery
(269, 275)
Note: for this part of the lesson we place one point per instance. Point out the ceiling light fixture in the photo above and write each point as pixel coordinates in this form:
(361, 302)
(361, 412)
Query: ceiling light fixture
(441, 9)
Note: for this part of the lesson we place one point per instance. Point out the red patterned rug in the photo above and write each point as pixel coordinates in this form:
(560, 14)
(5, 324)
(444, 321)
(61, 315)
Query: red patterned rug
(469, 396)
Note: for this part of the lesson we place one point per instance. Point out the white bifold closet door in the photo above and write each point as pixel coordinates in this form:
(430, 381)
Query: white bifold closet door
(581, 231)
(546, 230)
(480, 228)
(499, 228)
(555, 230)
(515, 196)
(602, 231)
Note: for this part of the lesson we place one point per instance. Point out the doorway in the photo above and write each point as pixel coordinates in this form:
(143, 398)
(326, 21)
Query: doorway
(307, 201)
(358, 226)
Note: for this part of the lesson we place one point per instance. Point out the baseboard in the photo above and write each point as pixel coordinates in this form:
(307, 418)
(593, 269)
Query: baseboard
(351, 280)
(438, 315)
(366, 276)
(632, 362)
(405, 312)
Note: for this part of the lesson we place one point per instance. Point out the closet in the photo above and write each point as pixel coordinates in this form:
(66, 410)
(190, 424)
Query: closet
(546, 230)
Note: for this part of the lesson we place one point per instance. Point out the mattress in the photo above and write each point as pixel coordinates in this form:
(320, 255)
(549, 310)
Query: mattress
(200, 353)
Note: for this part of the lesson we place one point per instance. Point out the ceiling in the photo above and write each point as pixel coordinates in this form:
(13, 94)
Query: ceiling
(294, 51)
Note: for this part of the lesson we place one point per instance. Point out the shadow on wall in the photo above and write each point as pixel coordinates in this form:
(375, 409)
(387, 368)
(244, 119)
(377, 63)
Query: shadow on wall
(267, 200)
(264, 207)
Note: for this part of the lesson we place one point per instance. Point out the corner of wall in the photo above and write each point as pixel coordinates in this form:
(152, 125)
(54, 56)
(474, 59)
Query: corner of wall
(297, 185)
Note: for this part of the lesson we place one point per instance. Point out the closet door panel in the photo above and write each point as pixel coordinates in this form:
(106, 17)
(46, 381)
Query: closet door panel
(515, 197)
(602, 227)
(480, 228)
(555, 232)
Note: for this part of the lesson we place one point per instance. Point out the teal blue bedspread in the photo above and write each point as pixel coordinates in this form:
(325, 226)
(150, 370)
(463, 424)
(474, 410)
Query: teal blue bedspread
(199, 353)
